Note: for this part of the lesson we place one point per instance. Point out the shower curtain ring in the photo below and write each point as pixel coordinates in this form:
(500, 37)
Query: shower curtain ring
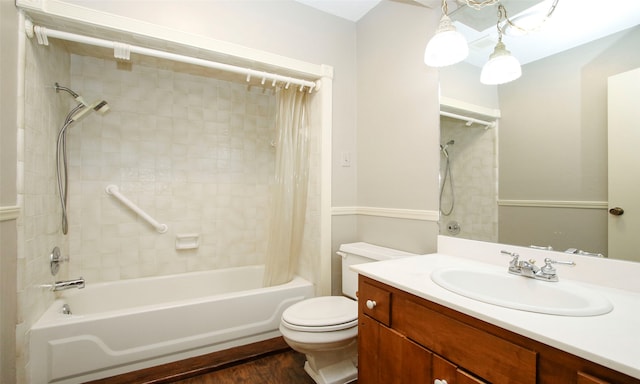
(41, 35)
(121, 51)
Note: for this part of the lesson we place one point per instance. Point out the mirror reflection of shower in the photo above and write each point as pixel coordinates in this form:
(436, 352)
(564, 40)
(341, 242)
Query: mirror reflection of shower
(468, 175)
(447, 179)
(77, 113)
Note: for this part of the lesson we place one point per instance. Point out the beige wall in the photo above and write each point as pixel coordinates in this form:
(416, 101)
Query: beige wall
(555, 148)
(397, 126)
(8, 235)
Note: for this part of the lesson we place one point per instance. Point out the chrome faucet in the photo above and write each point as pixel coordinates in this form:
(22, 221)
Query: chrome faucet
(68, 284)
(529, 269)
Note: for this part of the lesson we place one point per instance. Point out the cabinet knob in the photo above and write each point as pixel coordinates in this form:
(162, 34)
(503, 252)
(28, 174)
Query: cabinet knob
(438, 381)
(371, 304)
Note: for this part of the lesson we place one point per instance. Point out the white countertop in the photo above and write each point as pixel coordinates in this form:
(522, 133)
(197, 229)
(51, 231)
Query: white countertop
(611, 340)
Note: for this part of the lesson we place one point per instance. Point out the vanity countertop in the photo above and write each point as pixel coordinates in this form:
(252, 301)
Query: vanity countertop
(611, 340)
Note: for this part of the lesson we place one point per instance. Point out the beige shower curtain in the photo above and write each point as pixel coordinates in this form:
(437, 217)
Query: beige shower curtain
(289, 194)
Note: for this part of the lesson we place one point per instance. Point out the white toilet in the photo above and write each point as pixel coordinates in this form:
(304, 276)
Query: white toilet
(325, 328)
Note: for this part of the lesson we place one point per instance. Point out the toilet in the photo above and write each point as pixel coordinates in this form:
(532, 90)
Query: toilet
(325, 328)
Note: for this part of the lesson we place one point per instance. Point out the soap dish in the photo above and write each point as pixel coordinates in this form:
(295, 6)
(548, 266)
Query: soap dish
(187, 240)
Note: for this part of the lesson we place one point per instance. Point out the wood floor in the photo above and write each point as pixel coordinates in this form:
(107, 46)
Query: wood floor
(281, 368)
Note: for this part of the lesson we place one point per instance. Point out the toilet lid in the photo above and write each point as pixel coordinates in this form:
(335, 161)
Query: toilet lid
(320, 314)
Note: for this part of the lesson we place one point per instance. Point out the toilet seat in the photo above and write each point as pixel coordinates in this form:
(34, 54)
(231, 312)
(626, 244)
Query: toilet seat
(321, 314)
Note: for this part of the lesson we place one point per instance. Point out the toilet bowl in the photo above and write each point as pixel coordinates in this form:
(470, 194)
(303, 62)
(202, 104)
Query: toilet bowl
(325, 328)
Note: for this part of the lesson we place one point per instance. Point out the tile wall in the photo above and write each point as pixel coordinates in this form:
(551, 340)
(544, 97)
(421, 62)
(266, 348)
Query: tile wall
(193, 152)
(39, 222)
(474, 169)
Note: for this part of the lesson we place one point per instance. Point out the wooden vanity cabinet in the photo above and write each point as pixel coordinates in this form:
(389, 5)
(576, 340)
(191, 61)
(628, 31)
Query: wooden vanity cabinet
(405, 339)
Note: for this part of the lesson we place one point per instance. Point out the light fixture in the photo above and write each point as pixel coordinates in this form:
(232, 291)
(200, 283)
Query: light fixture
(447, 46)
(529, 21)
(502, 67)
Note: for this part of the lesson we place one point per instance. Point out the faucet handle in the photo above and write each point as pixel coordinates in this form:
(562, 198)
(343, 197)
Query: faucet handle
(513, 264)
(548, 262)
(512, 254)
(548, 272)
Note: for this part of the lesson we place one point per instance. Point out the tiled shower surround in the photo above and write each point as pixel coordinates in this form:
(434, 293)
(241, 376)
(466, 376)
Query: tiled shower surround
(475, 173)
(194, 152)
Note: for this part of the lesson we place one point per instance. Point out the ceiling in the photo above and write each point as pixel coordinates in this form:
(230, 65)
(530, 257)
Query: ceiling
(573, 23)
(352, 10)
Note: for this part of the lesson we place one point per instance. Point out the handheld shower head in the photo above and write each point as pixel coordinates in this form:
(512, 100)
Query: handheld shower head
(99, 106)
(83, 108)
(443, 148)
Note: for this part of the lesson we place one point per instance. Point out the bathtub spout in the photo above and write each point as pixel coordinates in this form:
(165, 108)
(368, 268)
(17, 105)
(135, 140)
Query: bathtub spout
(68, 284)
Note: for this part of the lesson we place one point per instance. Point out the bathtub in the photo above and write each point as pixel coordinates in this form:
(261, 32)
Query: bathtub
(133, 324)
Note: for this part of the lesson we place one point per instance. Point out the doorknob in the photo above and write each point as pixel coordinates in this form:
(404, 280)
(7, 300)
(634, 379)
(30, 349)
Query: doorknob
(616, 211)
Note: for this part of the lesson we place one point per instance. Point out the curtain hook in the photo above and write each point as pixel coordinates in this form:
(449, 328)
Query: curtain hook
(41, 35)
(121, 51)
(248, 77)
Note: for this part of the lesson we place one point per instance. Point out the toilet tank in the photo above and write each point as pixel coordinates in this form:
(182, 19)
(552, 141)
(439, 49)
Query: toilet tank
(358, 253)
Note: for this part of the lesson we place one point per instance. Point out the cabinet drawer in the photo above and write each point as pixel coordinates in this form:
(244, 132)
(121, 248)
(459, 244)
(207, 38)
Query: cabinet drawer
(488, 356)
(375, 302)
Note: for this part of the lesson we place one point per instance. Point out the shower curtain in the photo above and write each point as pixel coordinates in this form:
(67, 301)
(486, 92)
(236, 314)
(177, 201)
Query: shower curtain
(289, 193)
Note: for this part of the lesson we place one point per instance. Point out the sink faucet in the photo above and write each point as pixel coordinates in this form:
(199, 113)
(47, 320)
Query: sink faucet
(68, 284)
(529, 269)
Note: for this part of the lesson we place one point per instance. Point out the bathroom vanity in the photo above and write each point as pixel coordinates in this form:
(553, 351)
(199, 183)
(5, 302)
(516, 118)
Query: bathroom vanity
(411, 330)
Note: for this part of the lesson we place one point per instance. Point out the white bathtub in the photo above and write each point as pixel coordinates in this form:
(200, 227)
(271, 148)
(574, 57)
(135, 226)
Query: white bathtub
(133, 324)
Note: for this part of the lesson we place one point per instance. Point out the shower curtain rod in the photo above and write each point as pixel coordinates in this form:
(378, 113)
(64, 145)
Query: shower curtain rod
(469, 120)
(122, 51)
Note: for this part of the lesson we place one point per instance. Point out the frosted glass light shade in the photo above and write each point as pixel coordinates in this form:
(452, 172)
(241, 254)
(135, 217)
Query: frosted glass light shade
(501, 68)
(447, 46)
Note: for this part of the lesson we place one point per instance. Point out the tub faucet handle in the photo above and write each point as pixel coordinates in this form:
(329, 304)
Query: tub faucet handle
(55, 259)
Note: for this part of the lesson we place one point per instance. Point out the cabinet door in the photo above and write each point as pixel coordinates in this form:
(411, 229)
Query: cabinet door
(368, 351)
(584, 378)
(387, 357)
(446, 371)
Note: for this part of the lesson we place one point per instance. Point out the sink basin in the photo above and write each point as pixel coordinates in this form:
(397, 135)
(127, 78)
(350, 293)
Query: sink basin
(522, 293)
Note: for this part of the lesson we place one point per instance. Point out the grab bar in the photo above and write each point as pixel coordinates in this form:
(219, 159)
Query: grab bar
(115, 192)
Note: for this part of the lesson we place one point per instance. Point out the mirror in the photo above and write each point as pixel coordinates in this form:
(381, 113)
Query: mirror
(545, 163)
